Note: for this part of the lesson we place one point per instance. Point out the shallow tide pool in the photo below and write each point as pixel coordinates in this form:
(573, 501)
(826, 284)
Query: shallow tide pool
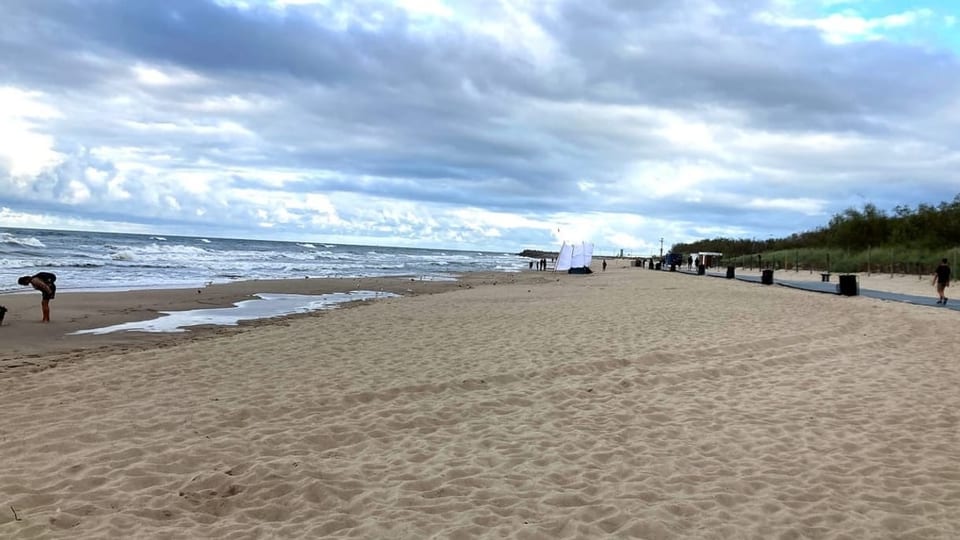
(264, 307)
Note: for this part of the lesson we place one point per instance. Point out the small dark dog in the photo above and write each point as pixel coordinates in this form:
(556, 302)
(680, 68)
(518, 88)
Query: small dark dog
(3, 312)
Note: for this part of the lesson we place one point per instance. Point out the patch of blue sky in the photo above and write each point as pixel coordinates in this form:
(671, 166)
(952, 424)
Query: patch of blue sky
(933, 23)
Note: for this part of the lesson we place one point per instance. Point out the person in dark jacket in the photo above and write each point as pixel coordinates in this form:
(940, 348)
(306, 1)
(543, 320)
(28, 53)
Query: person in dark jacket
(45, 282)
(941, 278)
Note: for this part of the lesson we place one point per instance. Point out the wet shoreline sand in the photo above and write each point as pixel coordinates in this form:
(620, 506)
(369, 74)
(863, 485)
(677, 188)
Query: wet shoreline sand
(27, 341)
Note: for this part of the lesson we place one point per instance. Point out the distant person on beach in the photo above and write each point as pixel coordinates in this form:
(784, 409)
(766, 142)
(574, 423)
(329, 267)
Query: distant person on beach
(689, 262)
(604, 265)
(941, 278)
(45, 282)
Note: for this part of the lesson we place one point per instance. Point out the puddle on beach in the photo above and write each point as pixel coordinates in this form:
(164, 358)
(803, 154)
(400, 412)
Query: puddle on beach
(268, 305)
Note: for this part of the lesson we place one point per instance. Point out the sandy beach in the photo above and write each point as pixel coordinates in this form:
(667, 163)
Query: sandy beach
(29, 342)
(624, 404)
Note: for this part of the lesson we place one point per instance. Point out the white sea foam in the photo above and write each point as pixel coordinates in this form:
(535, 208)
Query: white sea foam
(268, 306)
(122, 256)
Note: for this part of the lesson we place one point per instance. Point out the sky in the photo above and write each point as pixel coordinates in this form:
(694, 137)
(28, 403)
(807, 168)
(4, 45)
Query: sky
(492, 125)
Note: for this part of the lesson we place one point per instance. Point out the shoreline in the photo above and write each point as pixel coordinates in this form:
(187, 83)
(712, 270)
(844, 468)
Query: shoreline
(30, 344)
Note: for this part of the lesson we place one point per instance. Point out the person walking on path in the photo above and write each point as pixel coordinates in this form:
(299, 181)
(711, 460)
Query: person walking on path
(941, 278)
(45, 282)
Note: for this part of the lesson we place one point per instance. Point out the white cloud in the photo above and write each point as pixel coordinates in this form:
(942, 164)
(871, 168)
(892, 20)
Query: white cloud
(658, 180)
(802, 205)
(24, 146)
(231, 104)
(434, 8)
(155, 76)
(221, 127)
(848, 25)
(37, 220)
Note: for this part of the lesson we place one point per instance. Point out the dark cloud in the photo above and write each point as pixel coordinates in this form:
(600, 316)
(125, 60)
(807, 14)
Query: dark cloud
(175, 112)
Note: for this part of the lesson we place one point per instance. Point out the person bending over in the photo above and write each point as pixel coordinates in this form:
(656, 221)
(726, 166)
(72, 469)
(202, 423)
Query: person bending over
(45, 282)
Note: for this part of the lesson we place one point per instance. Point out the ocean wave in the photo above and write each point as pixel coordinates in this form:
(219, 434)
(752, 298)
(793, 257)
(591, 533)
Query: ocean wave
(146, 266)
(129, 253)
(7, 238)
(123, 256)
(70, 264)
(139, 261)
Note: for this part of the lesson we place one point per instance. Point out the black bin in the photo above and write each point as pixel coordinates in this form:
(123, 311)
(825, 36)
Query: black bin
(701, 269)
(730, 272)
(673, 268)
(658, 266)
(767, 277)
(848, 285)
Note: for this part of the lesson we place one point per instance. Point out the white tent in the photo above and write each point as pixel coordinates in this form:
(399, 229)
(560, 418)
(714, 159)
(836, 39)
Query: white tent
(574, 256)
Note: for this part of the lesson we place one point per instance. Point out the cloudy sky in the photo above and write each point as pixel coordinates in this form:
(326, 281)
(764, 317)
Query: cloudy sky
(482, 124)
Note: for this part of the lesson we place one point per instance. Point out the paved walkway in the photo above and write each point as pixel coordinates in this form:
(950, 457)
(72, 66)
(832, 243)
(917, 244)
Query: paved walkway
(832, 288)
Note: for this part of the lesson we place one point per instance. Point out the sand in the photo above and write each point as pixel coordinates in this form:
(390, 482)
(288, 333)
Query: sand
(624, 404)
(29, 342)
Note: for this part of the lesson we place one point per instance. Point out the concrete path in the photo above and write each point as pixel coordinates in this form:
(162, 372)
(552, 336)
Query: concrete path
(832, 288)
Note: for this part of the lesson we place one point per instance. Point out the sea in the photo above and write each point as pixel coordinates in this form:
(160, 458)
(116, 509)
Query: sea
(115, 261)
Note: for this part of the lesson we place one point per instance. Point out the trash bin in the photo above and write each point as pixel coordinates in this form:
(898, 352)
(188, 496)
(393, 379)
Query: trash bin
(701, 269)
(848, 285)
(767, 277)
(730, 272)
(673, 268)
(658, 266)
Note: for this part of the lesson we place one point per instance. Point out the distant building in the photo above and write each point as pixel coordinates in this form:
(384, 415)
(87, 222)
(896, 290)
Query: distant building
(709, 259)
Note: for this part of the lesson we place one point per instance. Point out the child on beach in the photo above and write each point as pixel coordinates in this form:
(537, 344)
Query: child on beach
(45, 283)
(941, 278)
